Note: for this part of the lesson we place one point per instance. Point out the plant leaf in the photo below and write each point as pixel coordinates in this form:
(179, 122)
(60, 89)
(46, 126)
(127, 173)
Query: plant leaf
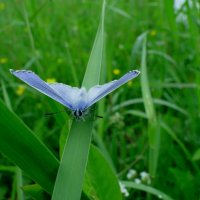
(147, 189)
(20, 145)
(70, 175)
(93, 70)
(95, 185)
(35, 191)
(153, 125)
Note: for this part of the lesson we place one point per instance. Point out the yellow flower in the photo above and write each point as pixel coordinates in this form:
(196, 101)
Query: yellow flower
(116, 71)
(153, 33)
(2, 6)
(130, 83)
(20, 90)
(51, 80)
(3, 60)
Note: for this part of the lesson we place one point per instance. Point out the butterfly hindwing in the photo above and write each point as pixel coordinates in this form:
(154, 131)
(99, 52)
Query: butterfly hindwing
(76, 96)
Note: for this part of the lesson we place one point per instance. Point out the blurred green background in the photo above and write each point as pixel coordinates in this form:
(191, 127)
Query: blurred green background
(54, 39)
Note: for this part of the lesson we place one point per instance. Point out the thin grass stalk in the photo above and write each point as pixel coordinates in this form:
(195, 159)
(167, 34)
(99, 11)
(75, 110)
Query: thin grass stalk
(101, 105)
(153, 125)
(147, 189)
(19, 183)
(13, 192)
(30, 35)
(180, 143)
(71, 64)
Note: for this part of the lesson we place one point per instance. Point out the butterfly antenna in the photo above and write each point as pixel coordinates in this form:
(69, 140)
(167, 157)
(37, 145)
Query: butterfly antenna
(99, 116)
(53, 113)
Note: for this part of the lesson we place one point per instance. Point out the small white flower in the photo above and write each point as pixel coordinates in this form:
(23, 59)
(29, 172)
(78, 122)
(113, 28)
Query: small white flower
(144, 174)
(131, 173)
(137, 180)
(126, 193)
(145, 177)
(123, 189)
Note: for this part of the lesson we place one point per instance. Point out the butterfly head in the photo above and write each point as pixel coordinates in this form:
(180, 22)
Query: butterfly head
(79, 113)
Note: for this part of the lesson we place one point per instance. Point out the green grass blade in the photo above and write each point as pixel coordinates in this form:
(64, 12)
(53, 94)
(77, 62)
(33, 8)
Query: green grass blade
(119, 11)
(71, 65)
(147, 189)
(93, 184)
(70, 176)
(153, 125)
(137, 48)
(10, 169)
(148, 102)
(99, 142)
(180, 143)
(71, 172)
(196, 155)
(170, 105)
(20, 145)
(18, 172)
(6, 96)
(163, 55)
(159, 102)
(35, 191)
(20, 195)
(93, 71)
(137, 113)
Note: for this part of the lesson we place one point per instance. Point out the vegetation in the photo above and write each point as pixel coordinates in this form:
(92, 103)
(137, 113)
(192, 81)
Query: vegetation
(148, 138)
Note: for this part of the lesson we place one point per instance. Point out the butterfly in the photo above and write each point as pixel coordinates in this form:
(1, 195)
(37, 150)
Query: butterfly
(78, 100)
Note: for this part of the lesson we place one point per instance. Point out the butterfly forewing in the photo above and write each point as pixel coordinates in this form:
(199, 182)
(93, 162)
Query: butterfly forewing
(34, 81)
(98, 92)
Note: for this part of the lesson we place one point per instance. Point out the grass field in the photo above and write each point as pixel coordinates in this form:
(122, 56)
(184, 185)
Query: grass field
(148, 138)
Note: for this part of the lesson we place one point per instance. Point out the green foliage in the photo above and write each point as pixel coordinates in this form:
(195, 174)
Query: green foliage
(35, 192)
(20, 145)
(54, 39)
(94, 186)
(147, 189)
(71, 171)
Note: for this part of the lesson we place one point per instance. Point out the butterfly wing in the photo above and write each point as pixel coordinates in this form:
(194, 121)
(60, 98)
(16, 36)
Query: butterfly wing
(50, 90)
(98, 92)
(76, 96)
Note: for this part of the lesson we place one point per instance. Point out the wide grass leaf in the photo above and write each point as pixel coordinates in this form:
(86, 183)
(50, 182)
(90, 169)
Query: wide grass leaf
(94, 66)
(69, 180)
(100, 180)
(70, 176)
(21, 146)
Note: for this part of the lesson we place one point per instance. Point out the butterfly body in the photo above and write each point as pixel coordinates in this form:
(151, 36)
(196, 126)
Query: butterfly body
(78, 113)
(78, 100)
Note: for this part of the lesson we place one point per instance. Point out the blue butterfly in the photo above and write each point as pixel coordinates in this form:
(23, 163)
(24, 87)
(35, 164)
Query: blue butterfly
(78, 100)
